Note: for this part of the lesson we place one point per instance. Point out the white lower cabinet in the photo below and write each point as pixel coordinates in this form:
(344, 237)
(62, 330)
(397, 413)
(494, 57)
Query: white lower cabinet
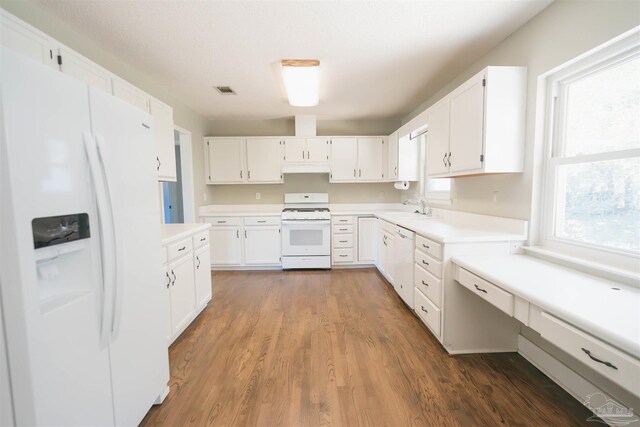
(385, 254)
(262, 244)
(226, 246)
(253, 241)
(182, 292)
(202, 268)
(187, 280)
(367, 239)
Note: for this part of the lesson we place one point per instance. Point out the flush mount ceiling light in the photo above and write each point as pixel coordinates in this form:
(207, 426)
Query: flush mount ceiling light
(302, 81)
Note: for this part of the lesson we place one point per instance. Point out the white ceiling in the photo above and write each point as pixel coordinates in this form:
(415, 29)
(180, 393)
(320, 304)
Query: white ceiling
(378, 59)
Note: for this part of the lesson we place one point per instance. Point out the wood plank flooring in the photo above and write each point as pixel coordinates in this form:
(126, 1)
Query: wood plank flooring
(338, 348)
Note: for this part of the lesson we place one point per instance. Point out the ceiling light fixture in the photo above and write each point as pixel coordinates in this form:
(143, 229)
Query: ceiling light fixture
(302, 81)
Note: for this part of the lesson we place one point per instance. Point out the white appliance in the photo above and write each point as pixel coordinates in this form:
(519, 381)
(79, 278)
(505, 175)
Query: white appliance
(80, 262)
(306, 231)
(403, 256)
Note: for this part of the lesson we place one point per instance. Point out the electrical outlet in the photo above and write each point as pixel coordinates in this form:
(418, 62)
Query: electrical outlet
(495, 197)
(257, 196)
(381, 195)
(204, 196)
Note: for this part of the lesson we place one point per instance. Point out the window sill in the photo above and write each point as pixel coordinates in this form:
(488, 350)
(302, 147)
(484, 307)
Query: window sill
(627, 277)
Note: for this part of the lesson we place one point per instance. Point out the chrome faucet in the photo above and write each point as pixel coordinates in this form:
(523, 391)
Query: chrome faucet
(425, 209)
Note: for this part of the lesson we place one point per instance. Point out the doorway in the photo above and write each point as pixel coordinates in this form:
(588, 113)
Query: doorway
(177, 197)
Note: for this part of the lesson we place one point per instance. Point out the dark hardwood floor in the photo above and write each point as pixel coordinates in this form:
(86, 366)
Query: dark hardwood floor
(339, 348)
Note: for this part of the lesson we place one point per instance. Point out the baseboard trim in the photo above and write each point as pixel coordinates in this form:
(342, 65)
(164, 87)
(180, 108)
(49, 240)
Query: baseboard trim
(247, 268)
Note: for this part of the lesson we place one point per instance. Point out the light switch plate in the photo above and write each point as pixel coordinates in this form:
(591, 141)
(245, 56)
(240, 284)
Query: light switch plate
(257, 196)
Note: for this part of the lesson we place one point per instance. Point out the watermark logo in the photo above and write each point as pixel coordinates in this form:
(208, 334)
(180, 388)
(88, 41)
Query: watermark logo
(608, 411)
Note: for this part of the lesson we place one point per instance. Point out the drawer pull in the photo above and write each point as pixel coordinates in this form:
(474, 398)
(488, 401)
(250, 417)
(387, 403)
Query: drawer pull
(424, 309)
(203, 239)
(480, 289)
(343, 241)
(263, 221)
(343, 256)
(425, 262)
(425, 246)
(595, 359)
(343, 220)
(182, 248)
(221, 222)
(424, 283)
(343, 229)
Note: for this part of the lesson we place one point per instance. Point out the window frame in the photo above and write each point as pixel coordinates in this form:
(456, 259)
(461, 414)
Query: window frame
(612, 54)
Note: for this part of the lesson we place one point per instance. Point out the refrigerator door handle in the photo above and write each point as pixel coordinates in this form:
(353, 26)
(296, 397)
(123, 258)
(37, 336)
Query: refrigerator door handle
(107, 236)
(117, 293)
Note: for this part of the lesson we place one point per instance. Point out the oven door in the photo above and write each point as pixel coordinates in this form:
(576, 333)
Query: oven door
(306, 237)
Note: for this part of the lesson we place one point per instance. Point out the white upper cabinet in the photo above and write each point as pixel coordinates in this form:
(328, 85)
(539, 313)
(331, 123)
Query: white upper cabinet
(486, 125)
(22, 38)
(408, 158)
(130, 94)
(78, 66)
(437, 146)
(264, 160)
(317, 150)
(165, 140)
(294, 150)
(344, 159)
(370, 159)
(226, 163)
(392, 156)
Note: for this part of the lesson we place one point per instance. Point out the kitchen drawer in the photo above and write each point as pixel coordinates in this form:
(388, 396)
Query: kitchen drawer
(343, 241)
(262, 220)
(342, 255)
(608, 361)
(429, 284)
(387, 226)
(491, 293)
(430, 264)
(226, 220)
(341, 220)
(339, 229)
(427, 311)
(201, 238)
(429, 247)
(180, 248)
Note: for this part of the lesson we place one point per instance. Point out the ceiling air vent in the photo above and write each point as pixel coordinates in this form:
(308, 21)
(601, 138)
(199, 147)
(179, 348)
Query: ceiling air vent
(225, 90)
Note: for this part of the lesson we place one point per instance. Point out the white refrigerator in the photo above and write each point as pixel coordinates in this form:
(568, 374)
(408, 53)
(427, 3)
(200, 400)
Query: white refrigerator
(80, 262)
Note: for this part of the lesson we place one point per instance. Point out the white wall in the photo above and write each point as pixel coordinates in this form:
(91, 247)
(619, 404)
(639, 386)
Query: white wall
(559, 33)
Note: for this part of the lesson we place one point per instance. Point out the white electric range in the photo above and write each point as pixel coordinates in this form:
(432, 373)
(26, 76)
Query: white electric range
(306, 231)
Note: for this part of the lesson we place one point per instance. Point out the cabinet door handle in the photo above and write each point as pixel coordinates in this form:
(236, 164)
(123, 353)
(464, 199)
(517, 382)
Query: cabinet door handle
(354, 173)
(444, 159)
(396, 171)
(385, 243)
(237, 234)
(449, 159)
(182, 248)
(245, 234)
(169, 282)
(595, 359)
(424, 309)
(240, 174)
(308, 155)
(173, 283)
(248, 174)
(480, 289)
(159, 163)
(198, 259)
(302, 154)
(425, 262)
(359, 173)
(425, 246)
(424, 283)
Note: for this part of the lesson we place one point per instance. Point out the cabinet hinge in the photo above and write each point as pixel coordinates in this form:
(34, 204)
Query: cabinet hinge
(482, 157)
(59, 59)
(484, 82)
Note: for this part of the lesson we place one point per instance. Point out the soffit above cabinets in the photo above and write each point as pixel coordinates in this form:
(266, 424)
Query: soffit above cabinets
(379, 59)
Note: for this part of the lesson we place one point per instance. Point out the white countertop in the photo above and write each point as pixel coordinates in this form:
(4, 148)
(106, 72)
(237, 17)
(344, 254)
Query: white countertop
(586, 301)
(442, 230)
(172, 232)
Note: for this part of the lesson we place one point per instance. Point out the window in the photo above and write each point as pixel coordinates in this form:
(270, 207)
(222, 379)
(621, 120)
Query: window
(592, 189)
